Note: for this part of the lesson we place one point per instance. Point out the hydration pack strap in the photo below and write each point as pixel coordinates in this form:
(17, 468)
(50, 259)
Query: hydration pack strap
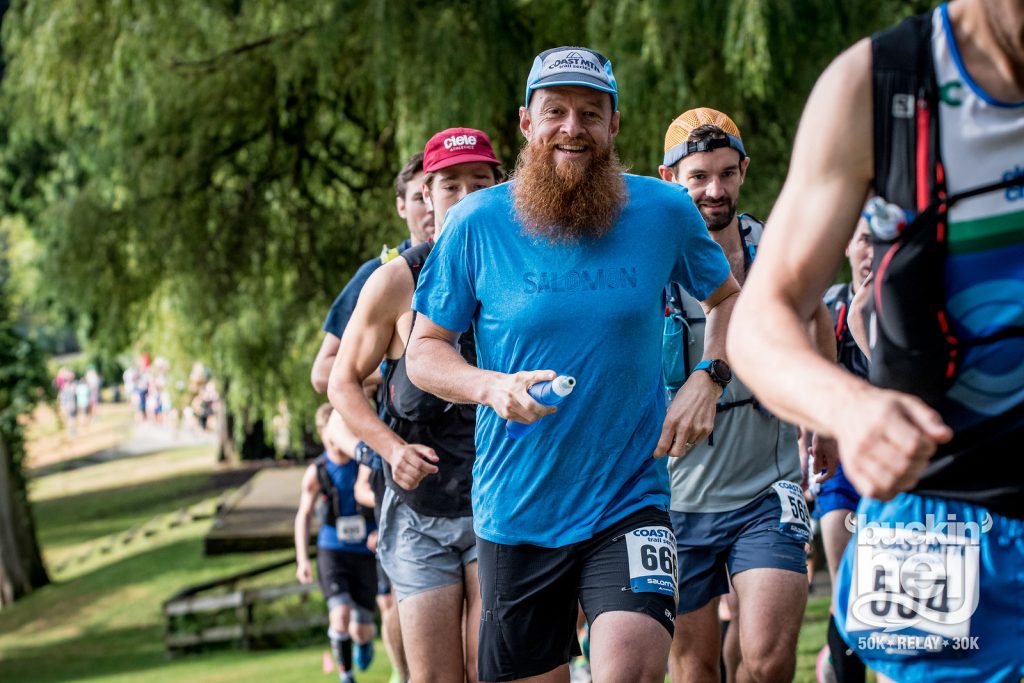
(905, 120)
(1016, 181)
(327, 487)
(725, 407)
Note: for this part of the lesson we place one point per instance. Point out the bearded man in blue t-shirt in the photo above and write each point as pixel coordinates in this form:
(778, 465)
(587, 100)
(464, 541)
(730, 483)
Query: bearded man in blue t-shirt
(562, 272)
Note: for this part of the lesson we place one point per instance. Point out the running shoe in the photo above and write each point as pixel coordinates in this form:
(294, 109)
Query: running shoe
(362, 655)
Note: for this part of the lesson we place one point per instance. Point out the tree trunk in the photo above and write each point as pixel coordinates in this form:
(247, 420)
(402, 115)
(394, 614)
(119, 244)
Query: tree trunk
(228, 451)
(21, 565)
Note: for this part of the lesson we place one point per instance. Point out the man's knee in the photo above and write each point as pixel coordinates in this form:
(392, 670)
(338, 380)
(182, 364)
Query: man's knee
(338, 617)
(689, 663)
(769, 664)
(363, 633)
(386, 602)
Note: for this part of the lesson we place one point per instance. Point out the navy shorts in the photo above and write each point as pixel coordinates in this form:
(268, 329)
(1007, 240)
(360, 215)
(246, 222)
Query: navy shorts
(712, 546)
(836, 493)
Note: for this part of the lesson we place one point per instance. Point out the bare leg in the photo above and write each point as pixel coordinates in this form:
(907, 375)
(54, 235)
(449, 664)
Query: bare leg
(697, 645)
(628, 647)
(731, 646)
(771, 609)
(835, 537)
(391, 633)
(472, 631)
(432, 634)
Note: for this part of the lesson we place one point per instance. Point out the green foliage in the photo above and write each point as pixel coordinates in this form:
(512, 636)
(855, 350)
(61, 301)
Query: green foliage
(23, 377)
(211, 172)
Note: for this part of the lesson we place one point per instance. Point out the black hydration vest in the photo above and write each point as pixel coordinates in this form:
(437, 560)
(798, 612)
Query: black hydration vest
(914, 348)
(848, 354)
(448, 428)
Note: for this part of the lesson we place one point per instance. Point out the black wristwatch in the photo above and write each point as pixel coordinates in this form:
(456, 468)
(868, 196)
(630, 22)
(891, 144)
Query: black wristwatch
(718, 369)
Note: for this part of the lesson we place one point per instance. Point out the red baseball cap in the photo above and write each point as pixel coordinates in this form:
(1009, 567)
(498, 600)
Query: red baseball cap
(457, 146)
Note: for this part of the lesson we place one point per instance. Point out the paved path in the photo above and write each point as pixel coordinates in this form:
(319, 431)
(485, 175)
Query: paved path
(146, 438)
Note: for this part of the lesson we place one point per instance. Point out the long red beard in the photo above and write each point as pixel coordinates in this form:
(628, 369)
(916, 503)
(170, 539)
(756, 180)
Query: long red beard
(569, 201)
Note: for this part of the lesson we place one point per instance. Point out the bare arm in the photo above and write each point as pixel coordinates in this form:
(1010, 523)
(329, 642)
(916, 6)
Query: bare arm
(323, 363)
(855, 316)
(885, 437)
(822, 334)
(691, 415)
(369, 333)
(310, 488)
(363, 491)
(437, 367)
(341, 435)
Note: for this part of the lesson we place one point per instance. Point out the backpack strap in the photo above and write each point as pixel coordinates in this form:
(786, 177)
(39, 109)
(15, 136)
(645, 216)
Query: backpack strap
(327, 487)
(751, 230)
(908, 170)
(415, 257)
(836, 300)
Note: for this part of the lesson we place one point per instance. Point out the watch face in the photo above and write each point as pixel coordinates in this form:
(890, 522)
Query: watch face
(721, 371)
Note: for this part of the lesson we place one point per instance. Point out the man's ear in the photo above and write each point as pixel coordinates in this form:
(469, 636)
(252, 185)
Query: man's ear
(743, 169)
(525, 122)
(400, 206)
(614, 128)
(426, 198)
(667, 173)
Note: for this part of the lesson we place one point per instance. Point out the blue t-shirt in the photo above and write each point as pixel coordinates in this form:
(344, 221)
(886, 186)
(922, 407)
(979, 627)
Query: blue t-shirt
(591, 309)
(350, 530)
(343, 306)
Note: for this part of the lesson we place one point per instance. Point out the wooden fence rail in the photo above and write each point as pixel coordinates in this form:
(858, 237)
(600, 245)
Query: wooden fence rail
(190, 602)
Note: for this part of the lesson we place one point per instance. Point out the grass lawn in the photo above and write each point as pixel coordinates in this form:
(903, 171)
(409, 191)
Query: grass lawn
(101, 619)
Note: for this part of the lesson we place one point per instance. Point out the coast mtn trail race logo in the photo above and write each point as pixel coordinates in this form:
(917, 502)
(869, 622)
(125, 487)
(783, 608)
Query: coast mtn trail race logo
(459, 142)
(573, 60)
(919, 577)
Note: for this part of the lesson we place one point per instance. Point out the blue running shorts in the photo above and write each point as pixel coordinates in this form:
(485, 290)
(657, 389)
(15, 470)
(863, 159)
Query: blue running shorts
(836, 493)
(932, 589)
(712, 546)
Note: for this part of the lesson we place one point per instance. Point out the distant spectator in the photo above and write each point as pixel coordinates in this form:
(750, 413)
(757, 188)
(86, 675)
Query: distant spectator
(68, 401)
(129, 378)
(82, 402)
(94, 382)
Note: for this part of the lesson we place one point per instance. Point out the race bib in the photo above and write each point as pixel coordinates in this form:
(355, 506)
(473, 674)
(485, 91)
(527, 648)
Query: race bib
(652, 560)
(351, 529)
(906, 580)
(795, 520)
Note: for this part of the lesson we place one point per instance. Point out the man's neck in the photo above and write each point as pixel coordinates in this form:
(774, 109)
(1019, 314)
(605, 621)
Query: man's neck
(990, 37)
(729, 239)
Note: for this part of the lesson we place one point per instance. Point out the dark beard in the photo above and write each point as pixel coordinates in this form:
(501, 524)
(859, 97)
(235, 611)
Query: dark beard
(571, 201)
(721, 223)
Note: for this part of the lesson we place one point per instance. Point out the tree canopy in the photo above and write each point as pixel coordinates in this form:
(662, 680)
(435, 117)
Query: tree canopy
(209, 173)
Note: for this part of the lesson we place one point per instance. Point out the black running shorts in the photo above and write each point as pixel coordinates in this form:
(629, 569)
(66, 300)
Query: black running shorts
(529, 593)
(348, 579)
